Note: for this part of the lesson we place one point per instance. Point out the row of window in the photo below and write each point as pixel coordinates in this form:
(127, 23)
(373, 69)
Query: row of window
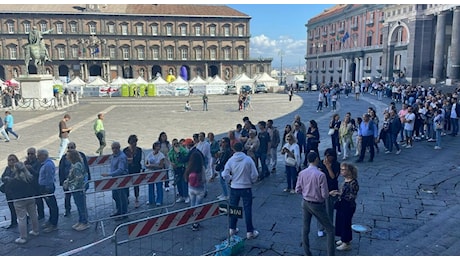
(139, 29)
(331, 28)
(367, 64)
(125, 53)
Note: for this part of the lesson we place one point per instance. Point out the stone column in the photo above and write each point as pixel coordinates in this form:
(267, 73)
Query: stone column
(361, 68)
(343, 70)
(455, 45)
(439, 46)
(347, 66)
(357, 69)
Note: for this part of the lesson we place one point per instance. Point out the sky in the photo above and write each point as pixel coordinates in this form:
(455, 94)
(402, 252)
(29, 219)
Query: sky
(279, 30)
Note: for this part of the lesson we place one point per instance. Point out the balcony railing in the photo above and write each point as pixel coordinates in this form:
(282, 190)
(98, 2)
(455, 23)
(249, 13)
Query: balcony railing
(341, 30)
(331, 32)
(324, 34)
(354, 26)
(370, 22)
(381, 19)
(339, 69)
(367, 68)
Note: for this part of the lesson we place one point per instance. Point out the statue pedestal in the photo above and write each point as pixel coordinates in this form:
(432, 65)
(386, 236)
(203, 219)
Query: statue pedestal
(37, 86)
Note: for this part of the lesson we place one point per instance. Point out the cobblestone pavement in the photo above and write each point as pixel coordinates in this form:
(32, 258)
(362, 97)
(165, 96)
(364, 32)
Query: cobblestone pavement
(409, 201)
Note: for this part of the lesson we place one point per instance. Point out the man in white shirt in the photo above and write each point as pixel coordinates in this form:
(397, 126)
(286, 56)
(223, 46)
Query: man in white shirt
(409, 120)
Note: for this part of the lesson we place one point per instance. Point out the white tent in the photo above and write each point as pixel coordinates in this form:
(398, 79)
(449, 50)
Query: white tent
(180, 86)
(162, 87)
(199, 85)
(96, 88)
(216, 86)
(139, 81)
(77, 85)
(241, 80)
(116, 84)
(268, 81)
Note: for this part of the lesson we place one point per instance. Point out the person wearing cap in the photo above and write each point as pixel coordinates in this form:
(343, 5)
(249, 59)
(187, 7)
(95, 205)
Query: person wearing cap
(312, 185)
(240, 170)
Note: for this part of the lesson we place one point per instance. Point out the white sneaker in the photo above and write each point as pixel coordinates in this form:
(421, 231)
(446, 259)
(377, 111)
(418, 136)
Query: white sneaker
(320, 233)
(339, 242)
(33, 233)
(187, 200)
(398, 151)
(409, 146)
(339, 153)
(344, 247)
(222, 197)
(180, 199)
(252, 235)
(20, 240)
(167, 189)
(437, 147)
(233, 231)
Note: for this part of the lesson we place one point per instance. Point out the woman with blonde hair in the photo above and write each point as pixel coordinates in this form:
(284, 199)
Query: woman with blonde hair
(345, 205)
(22, 190)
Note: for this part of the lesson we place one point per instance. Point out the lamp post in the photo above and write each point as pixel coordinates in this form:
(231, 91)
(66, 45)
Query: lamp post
(281, 53)
(316, 46)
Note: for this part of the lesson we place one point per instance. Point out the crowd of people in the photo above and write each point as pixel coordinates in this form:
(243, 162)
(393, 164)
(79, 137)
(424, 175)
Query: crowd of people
(247, 154)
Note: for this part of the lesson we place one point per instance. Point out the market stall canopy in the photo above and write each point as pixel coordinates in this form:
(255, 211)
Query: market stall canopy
(264, 78)
(180, 87)
(242, 80)
(217, 81)
(97, 82)
(76, 82)
(159, 81)
(216, 86)
(139, 81)
(119, 81)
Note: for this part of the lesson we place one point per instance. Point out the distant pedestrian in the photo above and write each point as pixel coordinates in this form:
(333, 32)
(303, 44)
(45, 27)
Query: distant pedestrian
(312, 185)
(240, 170)
(9, 122)
(320, 101)
(290, 93)
(3, 130)
(205, 102)
(64, 132)
(100, 133)
(187, 106)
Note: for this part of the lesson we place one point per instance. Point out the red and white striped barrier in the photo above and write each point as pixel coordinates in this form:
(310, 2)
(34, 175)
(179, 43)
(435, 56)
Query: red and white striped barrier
(98, 160)
(173, 220)
(126, 181)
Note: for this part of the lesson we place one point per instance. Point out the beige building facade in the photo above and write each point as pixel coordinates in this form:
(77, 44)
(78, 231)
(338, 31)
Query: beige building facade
(130, 41)
(408, 42)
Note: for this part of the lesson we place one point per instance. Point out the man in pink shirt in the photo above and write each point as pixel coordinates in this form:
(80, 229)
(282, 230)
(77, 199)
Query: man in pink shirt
(402, 115)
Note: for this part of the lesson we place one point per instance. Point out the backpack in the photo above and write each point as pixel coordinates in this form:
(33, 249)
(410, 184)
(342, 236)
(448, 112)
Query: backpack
(193, 179)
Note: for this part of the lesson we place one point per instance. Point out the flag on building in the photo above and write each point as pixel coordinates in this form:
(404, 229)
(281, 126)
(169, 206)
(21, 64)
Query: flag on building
(345, 37)
(96, 50)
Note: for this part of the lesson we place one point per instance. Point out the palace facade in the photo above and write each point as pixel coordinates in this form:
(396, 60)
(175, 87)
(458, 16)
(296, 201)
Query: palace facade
(413, 42)
(130, 40)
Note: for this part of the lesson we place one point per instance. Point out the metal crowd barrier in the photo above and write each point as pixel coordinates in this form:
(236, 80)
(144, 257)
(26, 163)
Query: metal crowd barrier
(171, 234)
(100, 203)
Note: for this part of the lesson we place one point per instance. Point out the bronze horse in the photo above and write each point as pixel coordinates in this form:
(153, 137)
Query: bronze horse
(37, 53)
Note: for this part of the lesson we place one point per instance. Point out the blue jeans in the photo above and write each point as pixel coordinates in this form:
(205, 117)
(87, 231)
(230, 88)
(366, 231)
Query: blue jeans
(392, 139)
(9, 130)
(63, 147)
(319, 211)
(453, 121)
(224, 185)
(121, 200)
(52, 204)
(263, 161)
(320, 106)
(291, 176)
(159, 197)
(438, 137)
(196, 196)
(79, 198)
(246, 195)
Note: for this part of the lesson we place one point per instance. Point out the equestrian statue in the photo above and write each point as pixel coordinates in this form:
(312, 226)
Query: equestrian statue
(36, 50)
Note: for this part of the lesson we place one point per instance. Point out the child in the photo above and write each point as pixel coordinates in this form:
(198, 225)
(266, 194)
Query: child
(187, 107)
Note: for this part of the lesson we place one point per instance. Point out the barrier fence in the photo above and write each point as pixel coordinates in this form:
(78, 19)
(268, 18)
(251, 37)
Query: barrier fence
(171, 234)
(101, 205)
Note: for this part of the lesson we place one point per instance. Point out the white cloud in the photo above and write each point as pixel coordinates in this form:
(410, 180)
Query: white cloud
(293, 50)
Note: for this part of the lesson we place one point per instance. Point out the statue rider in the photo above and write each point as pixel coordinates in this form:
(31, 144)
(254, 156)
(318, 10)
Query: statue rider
(36, 38)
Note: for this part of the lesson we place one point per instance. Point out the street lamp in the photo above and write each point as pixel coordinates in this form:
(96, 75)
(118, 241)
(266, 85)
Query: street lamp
(316, 47)
(281, 53)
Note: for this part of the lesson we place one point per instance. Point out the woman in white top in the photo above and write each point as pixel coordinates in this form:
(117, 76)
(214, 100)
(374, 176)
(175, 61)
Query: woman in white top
(155, 161)
(291, 150)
